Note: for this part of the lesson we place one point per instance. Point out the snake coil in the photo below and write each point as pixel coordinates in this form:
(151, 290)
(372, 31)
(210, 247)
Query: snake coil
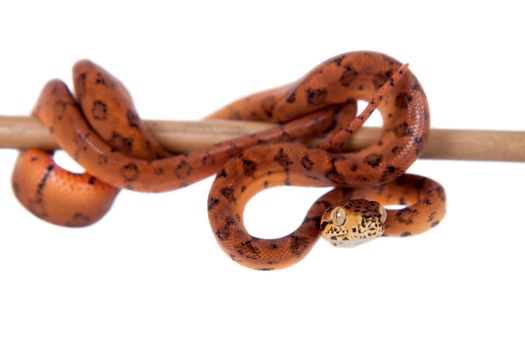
(101, 130)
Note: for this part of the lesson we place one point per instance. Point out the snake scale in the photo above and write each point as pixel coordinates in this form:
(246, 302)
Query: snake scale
(101, 130)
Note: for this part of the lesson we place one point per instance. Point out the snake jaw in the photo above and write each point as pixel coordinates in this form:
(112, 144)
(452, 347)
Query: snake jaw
(352, 223)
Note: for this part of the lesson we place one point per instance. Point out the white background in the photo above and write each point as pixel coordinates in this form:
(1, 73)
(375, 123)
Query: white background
(150, 274)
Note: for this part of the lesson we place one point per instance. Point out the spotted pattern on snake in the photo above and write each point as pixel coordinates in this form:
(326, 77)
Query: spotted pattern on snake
(353, 222)
(101, 130)
(369, 173)
(103, 133)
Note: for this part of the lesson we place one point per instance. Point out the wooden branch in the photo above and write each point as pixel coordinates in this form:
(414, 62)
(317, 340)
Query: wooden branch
(179, 136)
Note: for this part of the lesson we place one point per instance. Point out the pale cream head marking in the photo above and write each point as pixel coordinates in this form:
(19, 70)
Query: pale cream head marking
(352, 223)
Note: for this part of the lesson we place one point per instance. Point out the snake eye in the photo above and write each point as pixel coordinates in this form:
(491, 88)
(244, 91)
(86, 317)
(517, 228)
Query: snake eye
(338, 216)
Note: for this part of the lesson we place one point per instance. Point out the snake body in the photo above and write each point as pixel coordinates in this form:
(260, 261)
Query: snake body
(101, 130)
(104, 134)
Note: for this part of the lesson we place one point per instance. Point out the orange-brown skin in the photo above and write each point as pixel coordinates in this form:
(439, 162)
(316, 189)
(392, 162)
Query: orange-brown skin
(109, 110)
(59, 196)
(102, 132)
(424, 200)
(65, 198)
(373, 77)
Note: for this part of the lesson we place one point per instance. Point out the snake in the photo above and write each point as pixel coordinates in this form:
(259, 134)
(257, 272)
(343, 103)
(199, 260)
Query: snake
(99, 127)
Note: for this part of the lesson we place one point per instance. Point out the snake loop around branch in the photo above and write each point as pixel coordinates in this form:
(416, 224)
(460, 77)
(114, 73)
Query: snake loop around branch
(101, 130)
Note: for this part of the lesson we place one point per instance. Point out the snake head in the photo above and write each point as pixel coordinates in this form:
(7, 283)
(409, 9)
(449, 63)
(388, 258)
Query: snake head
(354, 222)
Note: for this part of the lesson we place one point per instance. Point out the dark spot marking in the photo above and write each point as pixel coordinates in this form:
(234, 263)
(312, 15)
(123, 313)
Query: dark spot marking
(268, 104)
(381, 78)
(212, 202)
(291, 97)
(183, 170)
(339, 59)
(42, 184)
(282, 158)
(99, 110)
(401, 180)
(314, 219)
(59, 110)
(402, 100)
(391, 169)
(307, 163)
(221, 173)
(228, 193)
(121, 143)
(316, 96)
(248, 250)
(406, 216)
(249, 167)
(334, 176)
(397, 150)
(92, 180)
(420, 183)
(208, 160)
(348, 76)
(435, 223)
(403, 130)
(373, 160)
(133, 119)
(78, 219)
(441, 194)
(130, 172)
(432, 216)
(222, 234)
(100, 79)
(81, 82)
(298, 245)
